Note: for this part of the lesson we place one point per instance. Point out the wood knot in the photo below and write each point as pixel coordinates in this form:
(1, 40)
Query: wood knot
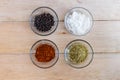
(64, 33)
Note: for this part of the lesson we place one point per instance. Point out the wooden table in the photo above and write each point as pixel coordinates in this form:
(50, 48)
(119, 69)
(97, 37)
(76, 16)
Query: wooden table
(16, 39)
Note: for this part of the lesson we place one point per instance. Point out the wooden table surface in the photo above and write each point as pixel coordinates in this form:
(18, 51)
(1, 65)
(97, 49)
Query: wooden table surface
(16, 39)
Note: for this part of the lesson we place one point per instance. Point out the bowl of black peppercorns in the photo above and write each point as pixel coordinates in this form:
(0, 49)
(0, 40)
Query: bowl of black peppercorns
(44, 21)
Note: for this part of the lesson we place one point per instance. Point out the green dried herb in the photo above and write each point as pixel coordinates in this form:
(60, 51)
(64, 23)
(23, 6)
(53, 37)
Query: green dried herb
(78, 53)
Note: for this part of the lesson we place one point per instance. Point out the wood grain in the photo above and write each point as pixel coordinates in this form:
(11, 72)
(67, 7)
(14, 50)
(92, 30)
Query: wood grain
(20, 67)
(20, 10)
(17, 37)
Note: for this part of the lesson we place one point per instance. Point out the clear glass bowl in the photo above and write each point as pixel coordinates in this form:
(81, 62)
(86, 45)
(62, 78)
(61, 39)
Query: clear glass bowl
(88, 59)
(39, 11)
(44, 64)
(83, 11)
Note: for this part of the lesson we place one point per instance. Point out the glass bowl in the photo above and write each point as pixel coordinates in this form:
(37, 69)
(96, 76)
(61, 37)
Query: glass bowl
(82, 11)
(39, 11)
(44, 64)
(87, 60)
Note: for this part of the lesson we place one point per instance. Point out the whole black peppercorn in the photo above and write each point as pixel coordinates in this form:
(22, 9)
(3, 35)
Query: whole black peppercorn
(44, 22)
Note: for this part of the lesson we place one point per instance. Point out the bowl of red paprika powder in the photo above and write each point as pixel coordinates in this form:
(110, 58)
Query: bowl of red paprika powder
(44, 53)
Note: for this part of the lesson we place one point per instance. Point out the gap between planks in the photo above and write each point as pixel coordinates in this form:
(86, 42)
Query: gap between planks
(95, 53)
(63, 21)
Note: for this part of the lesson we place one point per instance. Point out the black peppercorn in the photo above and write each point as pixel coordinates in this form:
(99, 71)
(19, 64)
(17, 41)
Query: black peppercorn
(44, 22)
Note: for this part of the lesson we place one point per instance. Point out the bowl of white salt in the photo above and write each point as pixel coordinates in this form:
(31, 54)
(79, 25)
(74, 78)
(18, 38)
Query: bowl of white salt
(78, 21)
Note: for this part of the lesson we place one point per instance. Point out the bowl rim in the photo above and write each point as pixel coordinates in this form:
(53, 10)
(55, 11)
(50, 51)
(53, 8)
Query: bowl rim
(65, 54)
(31, 25)
(92, 21)
(55, 53)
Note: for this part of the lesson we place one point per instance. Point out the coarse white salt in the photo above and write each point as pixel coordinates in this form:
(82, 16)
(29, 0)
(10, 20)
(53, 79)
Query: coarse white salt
(78, 23)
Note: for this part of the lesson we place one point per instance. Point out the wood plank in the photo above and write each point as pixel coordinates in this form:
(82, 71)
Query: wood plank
(20, 67)
(20, 10)
(17, 37)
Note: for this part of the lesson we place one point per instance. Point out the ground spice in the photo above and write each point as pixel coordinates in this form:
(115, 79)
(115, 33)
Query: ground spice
(44, 22)
(78, 53)
(45, 53)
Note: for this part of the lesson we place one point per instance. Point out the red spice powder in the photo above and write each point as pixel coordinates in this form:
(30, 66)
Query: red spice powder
(45, 53)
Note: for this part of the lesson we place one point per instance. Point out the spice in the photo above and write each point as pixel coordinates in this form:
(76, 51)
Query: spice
(45, 53)
(44, 22)
(78, 23)
(78, 53)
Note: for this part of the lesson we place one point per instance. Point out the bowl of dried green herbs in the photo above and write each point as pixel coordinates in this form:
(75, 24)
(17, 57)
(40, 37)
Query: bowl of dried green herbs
(78, 53)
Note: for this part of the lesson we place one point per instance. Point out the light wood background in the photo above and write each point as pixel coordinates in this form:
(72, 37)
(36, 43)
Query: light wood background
(16, 39)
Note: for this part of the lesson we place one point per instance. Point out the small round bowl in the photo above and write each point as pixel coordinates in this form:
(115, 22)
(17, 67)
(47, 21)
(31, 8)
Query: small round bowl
(83, 11)
(88, 59)
(44, 65)
(39, 11)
